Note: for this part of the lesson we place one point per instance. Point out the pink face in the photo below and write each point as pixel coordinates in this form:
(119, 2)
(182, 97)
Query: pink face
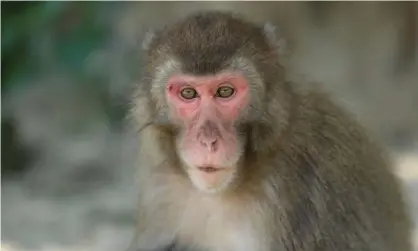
(208, 108)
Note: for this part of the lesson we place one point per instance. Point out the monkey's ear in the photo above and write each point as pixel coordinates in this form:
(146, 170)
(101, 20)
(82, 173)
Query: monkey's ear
(270, 32)
(275, 39)
(148, 38)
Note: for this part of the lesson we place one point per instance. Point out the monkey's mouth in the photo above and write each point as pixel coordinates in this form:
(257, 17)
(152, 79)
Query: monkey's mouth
(208, 169)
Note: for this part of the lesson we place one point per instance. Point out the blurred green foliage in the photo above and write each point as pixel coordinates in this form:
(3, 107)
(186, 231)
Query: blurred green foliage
(71, 29)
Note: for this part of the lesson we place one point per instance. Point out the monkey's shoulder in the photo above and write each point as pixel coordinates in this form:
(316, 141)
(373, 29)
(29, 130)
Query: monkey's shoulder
(329, 140)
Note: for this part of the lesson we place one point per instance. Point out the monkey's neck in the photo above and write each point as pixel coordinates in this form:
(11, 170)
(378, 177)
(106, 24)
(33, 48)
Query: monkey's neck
(276, 125)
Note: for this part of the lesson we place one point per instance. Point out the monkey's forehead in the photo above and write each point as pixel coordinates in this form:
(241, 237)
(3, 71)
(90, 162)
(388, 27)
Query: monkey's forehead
(205, 43)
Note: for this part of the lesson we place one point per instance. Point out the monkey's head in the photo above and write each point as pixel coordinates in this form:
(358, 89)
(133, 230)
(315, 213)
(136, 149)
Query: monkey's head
(211, 79)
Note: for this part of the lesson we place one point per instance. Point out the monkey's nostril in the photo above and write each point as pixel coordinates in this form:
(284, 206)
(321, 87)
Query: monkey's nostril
(214, 145)
(211, 144)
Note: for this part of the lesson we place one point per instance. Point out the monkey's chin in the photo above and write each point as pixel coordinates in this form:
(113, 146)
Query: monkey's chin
(211, 180)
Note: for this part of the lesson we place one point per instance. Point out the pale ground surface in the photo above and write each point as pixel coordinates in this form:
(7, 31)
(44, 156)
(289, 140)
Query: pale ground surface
(81, 224)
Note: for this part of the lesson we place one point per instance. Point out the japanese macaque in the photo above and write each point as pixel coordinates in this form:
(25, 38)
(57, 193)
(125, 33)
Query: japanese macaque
(234, 157)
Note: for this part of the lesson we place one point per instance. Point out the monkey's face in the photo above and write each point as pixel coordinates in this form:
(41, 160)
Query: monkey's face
(207, 110)
(207, 78)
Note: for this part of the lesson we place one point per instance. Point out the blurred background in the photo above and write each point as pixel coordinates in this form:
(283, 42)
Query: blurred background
(68, 69)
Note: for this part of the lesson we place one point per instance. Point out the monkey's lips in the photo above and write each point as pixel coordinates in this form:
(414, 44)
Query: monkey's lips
(210, 178)
(209, 169)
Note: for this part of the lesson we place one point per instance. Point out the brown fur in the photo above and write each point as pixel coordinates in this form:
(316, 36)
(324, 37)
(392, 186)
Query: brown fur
(310, 179)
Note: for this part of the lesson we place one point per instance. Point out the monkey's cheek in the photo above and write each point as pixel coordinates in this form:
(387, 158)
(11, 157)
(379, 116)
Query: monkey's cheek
(211, 181)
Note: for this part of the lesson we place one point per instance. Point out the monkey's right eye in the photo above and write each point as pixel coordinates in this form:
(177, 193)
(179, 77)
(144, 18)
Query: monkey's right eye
(188, 93)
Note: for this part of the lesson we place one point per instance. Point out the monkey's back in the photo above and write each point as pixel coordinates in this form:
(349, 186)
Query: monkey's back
(340, 189)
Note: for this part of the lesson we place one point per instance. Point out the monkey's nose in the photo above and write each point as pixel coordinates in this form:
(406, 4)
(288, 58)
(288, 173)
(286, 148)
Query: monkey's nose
(210, 144)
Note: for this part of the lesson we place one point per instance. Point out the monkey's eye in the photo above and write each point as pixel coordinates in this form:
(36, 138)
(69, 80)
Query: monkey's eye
(188, 93)
(225, 92)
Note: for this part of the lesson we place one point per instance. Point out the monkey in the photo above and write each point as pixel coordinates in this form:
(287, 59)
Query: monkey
(236, 157)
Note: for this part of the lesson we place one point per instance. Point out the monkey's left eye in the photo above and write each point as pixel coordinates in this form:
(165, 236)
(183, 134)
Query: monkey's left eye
(188, 93)
(225, 92)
